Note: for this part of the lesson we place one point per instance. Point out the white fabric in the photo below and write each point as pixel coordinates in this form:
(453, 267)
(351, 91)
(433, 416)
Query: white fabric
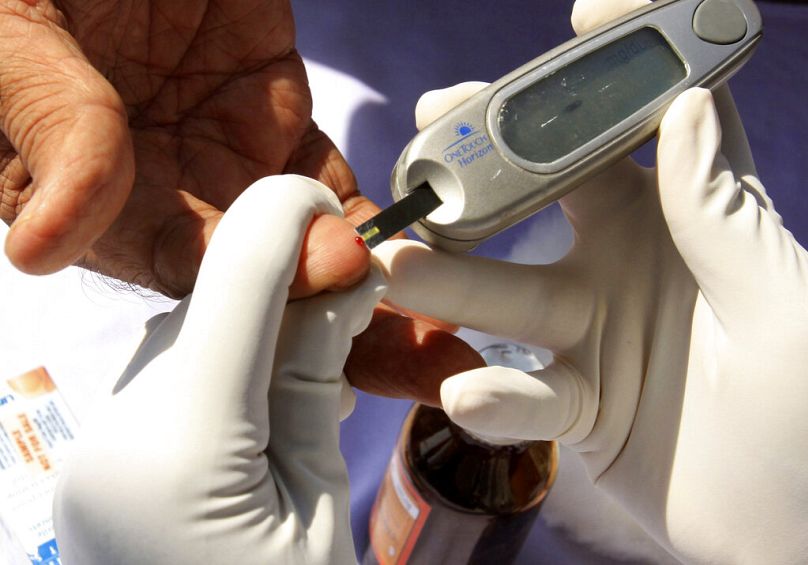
(678, 323)
(220, 442)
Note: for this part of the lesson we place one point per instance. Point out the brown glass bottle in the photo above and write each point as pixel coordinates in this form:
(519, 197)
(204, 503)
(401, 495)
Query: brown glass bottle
(449, 497)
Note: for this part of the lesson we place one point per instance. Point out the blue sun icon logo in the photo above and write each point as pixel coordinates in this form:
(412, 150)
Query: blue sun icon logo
(463, 129)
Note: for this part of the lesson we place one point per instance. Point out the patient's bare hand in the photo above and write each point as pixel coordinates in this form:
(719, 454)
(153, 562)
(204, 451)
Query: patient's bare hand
(128, 127)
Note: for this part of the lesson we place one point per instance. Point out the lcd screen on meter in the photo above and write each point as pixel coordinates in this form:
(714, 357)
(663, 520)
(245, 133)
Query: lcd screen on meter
(551, 118)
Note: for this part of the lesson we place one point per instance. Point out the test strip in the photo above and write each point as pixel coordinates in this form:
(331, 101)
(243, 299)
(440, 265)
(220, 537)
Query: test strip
(415, 205)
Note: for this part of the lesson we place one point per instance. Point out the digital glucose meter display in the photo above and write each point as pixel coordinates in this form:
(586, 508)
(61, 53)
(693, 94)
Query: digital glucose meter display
(553, 117)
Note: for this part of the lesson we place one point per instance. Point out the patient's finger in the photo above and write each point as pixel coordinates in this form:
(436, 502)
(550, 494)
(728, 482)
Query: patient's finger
(400, 357)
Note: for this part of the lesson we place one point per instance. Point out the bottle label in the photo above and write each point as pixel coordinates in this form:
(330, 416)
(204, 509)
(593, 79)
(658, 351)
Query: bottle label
(398, 516)
(36, 431)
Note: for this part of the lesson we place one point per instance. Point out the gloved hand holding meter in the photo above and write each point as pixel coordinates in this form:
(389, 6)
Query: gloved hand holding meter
(677, 320)
(678, 323)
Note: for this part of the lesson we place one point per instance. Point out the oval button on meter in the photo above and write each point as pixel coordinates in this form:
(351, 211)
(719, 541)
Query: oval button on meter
(719, 21)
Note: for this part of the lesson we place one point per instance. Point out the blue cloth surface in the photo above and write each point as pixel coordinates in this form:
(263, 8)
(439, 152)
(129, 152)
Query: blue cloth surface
(402, 49)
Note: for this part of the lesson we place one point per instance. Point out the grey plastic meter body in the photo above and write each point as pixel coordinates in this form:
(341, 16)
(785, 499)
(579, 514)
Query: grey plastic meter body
(538, 132)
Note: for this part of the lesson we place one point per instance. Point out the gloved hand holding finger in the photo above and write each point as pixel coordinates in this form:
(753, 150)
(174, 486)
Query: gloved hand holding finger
(219, 443)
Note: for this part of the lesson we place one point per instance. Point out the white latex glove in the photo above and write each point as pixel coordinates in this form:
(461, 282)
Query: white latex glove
(678, 323)
(220, 443)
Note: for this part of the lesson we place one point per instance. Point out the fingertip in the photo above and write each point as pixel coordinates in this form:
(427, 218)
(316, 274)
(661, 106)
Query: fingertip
(689, 133)
(471, 399)
(333, 257)
(689, 141)
(590, 14)
(689, 110)
(433, 104)
(502, 402)
(396, 257)
(44, 240)
(462, 400)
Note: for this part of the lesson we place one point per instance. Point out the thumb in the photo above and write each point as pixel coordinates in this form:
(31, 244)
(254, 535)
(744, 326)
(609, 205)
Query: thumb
(728, 235)
(66, 126)
(500, 402)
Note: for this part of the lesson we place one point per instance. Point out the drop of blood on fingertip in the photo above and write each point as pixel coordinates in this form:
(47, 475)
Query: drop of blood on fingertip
(359, 241)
